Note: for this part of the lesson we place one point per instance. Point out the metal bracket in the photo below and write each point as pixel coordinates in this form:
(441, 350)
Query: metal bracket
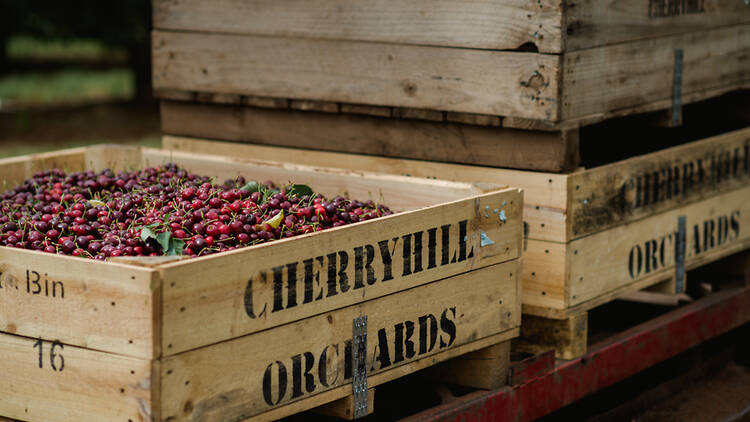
(359, 366)
(680, 255)
(677, 89)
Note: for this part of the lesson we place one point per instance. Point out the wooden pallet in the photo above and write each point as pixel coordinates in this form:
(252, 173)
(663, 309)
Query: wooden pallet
(454, 138)
(558, 66)
(211, 338)
(596, 233)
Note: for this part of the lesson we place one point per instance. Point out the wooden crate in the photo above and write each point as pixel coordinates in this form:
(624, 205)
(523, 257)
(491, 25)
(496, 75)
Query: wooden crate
(553, 65)
(593, 234)
(250, 333)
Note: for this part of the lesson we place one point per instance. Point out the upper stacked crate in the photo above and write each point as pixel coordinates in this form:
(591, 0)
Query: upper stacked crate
(479, 69)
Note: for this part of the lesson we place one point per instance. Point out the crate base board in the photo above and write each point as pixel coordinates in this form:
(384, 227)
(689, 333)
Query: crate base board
(485, 369)
(489, 146)
(567, 337)
(344, 408)
(383, 377)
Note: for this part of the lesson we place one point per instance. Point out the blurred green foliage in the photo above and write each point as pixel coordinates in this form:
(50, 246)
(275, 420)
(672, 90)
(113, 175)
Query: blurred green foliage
(67, 85)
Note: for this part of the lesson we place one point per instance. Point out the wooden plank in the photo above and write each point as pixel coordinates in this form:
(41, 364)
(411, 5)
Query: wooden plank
(101, 306)
(545, 274)
(601, 263)
(449, 142)
(321, 106)
(567, 337)
(67, 383)
(227, 381)
(436, 78)
(398, 192)
(252, 289)
(609, 195)
(473, 119)
(486, 368)
(495, 24)
(14, 170)
(417, 113)
(367, 110)
(344, 408)
(545, 195)
(593, 23)
(631, 75)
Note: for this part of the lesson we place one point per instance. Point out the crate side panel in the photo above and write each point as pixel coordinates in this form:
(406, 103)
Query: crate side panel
(544, 274)
(96, 305)
(240, 378)
(645, 249)
(606, 196)
(632, 75)
(437, 78)
(255, 289)
(593, 23)
(544, 193)
(391, 137)
(67, 383)
(495, 24)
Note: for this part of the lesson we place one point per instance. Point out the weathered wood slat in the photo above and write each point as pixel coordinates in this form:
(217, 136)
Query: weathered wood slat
(551, 26)
(424, 140)
(634, 75)
(438, 78)
(495, 24)
(240, 378)
(67, 383)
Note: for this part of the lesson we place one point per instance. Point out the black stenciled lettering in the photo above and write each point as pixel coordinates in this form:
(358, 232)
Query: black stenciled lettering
(427, 327)
(406, 245)
(635, 261)
(381, 353)
(278, 288)
(298, 374)
(1, 279)
(35, 282)
(362, 267)
(734, 224)
(291, 285)
(445, 247)
(249, 297)
(722, 230)
(311, 279)
(696, 240)
(281, 380)
(462, 240)
(431, 247)
(404, 346)
(688, 170)
(651, 256)
(448, 326)
(387, 257)
(331, 275)
(709, 240)
(56, 359)
(417, 252)
(323, 366)
(343, 278)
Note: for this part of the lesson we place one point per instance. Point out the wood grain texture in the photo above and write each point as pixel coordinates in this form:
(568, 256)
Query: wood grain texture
(593, 23)
(218, 285)
(494, 24)
(633, 75)
(344, 408)
(435, 78)
(545, 195)
(224, 381)
(567, 337)
(86, 385)
(485, 368)
(86, 303)
(601, 263)
(447, 141)
(609, 195)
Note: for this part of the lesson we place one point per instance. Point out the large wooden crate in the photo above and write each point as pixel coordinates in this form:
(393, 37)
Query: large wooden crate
(553, 65)
(594, 234)
(260, 332)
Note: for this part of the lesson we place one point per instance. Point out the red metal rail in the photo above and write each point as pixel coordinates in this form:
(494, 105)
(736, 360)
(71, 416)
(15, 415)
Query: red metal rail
(607, 362)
